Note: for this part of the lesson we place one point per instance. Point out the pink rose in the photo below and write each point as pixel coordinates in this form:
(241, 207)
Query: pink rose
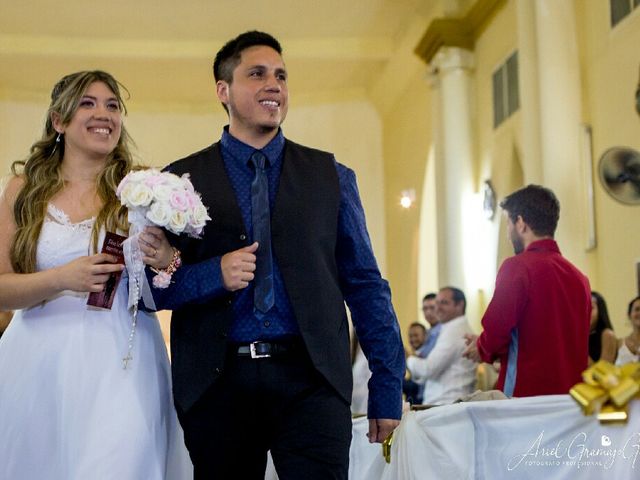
(192, 200)
(179, 201)
(154, 180)
(161, 280)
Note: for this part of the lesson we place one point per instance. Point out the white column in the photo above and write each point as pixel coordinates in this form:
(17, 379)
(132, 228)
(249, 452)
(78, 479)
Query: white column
(453, 159)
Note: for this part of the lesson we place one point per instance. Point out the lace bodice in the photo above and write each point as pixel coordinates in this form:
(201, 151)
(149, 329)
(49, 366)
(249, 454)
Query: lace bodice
(61, 240)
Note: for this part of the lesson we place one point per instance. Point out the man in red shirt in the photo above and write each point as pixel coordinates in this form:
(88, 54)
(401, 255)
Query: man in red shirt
(537, 323)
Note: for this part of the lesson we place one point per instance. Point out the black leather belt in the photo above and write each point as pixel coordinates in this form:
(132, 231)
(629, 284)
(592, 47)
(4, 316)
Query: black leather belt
(266, 349)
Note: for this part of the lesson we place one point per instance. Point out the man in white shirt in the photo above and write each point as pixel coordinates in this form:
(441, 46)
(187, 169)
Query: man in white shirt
(447, 374)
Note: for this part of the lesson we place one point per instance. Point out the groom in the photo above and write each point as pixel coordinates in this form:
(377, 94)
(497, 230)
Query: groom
(259, 332)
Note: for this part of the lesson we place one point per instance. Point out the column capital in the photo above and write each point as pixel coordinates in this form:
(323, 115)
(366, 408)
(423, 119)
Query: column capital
(457, 32)
(453, 58)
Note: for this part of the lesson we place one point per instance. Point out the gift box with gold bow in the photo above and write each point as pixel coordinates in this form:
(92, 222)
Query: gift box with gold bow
(607, 390)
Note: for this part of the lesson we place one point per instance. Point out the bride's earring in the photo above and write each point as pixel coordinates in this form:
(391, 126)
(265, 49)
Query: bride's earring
(55, 146)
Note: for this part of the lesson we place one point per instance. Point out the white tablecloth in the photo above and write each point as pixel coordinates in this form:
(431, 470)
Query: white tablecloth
(529, 438)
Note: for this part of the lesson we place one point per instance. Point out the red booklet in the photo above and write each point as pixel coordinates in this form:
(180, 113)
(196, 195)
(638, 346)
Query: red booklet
(104, 299)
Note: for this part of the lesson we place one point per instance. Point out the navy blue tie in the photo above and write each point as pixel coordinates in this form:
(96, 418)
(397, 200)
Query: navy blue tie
(263, 296)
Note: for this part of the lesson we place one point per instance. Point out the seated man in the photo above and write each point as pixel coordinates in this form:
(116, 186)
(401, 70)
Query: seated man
(411, 389)
(422, 342)
(417, 337)
(448, 375)
(429, 312)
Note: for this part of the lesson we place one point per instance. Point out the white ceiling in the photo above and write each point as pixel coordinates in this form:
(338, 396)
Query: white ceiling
(162, 50)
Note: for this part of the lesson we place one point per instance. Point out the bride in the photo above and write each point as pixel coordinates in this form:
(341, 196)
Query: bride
(68, 408)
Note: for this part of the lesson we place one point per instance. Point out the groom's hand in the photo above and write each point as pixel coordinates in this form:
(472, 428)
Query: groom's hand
(238, 267)
(381, 428)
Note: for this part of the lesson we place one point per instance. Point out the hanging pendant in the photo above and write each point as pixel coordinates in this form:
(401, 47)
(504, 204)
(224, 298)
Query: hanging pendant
(134, 321)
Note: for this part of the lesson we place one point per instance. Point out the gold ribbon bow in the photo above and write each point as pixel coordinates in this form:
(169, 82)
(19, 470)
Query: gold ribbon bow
(607, 390)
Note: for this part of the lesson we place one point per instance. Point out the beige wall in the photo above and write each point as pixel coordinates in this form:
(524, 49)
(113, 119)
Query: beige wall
(497, 157)
(407, 137)
(609, 67)
(21, 124)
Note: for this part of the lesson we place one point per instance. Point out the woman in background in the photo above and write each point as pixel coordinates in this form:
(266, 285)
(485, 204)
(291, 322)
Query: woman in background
(603, 344)
(68, 408)
(629, 347)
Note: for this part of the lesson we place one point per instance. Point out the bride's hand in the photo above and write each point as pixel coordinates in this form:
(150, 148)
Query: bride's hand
(88, 274)
(155, 247)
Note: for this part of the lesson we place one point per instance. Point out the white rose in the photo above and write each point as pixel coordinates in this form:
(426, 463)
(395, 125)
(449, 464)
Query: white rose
(199, 217)
(123, 183)
(125, 194)
(140, 196)
(138, 176)
(173, 181)
(177, 222)
(160, 214)
(162, 193)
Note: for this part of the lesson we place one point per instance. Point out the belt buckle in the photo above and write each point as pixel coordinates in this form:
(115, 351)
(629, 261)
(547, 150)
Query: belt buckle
(255, 354)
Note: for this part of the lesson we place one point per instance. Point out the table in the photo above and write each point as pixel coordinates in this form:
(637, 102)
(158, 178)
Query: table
(529, 438)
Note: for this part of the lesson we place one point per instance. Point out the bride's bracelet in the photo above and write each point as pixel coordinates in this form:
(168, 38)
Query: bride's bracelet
(162, 279)
(174, 264)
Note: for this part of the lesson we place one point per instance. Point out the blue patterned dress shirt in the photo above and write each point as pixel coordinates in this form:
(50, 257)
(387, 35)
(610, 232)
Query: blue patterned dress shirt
(372, 314)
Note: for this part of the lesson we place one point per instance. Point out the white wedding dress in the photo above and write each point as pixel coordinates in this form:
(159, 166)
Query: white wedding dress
(68, 409)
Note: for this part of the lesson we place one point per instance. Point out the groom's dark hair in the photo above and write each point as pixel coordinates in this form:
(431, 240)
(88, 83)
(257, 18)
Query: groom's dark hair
(228, 57)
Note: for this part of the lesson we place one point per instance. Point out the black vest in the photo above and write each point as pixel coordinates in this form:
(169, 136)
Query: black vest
(304, 225)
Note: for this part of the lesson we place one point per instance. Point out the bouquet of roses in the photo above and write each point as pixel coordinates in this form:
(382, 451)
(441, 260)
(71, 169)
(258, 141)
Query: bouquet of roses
(163, 199)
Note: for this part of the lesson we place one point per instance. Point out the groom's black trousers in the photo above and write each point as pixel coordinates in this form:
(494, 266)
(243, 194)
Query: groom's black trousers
(281, 404)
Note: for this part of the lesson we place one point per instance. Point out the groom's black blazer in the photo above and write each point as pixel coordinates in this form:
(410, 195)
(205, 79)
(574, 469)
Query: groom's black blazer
(304, 228)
